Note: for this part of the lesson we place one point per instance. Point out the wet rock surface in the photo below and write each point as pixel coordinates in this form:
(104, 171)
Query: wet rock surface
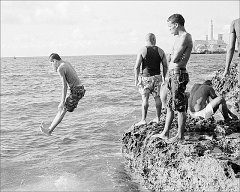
(207, 160)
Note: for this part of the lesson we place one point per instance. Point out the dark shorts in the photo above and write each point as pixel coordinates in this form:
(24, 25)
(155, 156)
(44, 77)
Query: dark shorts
(177, 100)
(75, 95)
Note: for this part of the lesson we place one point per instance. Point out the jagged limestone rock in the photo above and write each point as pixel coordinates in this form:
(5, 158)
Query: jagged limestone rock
(196, 164)
(230, 85)
(207, 160)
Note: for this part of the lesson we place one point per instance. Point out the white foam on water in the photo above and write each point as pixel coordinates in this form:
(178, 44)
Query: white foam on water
(68, 182)
(64, 182)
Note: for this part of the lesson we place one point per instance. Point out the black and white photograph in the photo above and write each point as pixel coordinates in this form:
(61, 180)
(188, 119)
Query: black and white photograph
(120, 96)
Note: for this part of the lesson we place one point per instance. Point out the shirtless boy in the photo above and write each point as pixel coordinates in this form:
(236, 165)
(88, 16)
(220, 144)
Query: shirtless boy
(234, 35)
(178, 77)
(201, 106)
(69, 78)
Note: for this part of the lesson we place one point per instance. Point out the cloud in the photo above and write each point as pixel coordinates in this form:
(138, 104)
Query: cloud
(80, 27)
(14, 13)
(44, 12)
(53, 14)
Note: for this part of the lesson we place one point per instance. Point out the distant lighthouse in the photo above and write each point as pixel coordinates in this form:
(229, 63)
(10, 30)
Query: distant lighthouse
(209, 45)
(211, 30)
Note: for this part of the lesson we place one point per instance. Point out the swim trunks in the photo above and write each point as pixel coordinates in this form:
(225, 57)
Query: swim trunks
(206, 113)
(152, 83)
(72, 100)
(176, 97)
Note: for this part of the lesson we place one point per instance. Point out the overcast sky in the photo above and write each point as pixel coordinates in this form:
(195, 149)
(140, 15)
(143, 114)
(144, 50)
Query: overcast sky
(73, 28)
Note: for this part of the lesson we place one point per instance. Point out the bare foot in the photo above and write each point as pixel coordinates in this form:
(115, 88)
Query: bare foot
(44, 130)
(175, 139)
(161, 136)
(155, 120)
(141, 123)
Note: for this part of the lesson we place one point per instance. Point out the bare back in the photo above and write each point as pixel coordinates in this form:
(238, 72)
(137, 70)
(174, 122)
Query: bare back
(199, 97)
(70, 74)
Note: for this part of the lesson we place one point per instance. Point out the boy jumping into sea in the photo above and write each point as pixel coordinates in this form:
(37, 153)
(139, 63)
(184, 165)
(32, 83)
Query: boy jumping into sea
(69, 77)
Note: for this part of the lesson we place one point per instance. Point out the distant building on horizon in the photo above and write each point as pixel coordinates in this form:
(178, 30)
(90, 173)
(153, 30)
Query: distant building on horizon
(210, 46)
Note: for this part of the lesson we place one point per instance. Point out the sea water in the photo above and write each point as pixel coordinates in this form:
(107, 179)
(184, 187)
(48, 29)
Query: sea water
(84, 151)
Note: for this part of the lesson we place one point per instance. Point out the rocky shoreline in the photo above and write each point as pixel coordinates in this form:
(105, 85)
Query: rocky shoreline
(207, 160)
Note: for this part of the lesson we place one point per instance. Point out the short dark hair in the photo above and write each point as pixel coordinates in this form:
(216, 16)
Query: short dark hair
(55, 56)
(176, 18)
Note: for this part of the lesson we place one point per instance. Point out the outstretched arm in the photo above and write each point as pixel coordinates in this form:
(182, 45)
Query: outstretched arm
(64, 88)
(231, 49)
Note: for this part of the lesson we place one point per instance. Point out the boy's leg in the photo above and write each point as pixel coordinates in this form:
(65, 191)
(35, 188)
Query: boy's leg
(163, 94)
(158, 109)
(180, 101)
(181, 126)
(145, 104)
(182, 117)
(219, 102)
(156, 95)
(168, 122)
(58, 118)
(168, 97)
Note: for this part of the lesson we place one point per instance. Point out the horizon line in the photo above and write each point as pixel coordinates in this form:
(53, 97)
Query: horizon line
(14, 56)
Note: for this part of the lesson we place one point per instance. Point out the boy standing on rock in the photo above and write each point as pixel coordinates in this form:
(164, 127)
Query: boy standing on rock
(178, 77)
(150, 79)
